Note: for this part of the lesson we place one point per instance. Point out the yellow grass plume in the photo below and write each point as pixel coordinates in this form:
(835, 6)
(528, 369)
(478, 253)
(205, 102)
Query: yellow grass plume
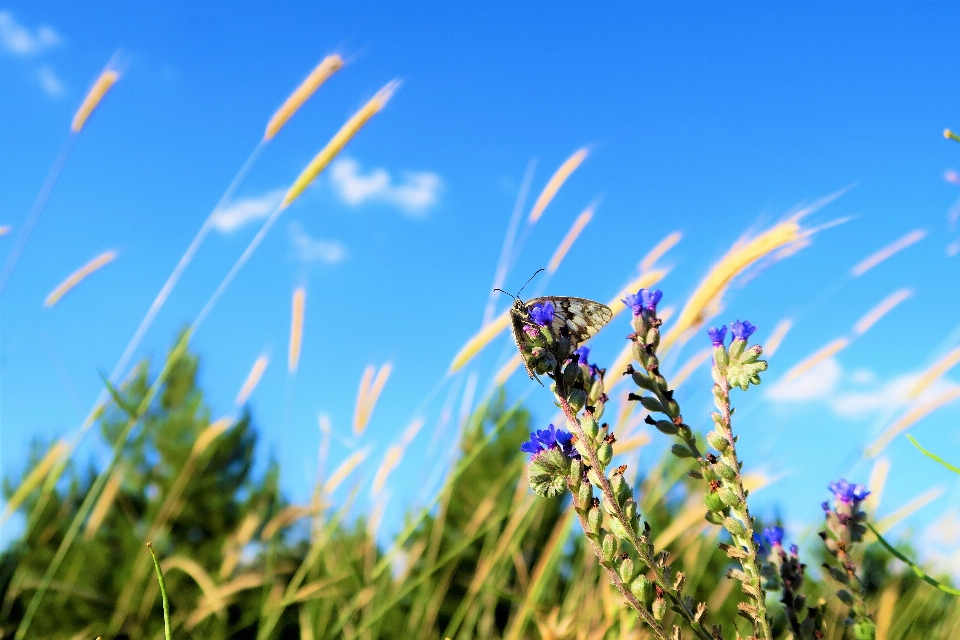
(94, 96)
(327, 67)
(883, 308)
(476, 344)
(393, 457)
(77, 276)
(338, 142)
(368, 394)
(33, 480)
(912, 416)
(886, 252)
(507, 370)
(253, 379)
(102, 507)
(776, 337)
(296, 328)
(816, 358)
(877, 482)
(746, 252)
(569, 239)
(555, 182)
(633, 442)
(659, 250)
(689, 367)
(885, 524)
(344, 470)
(934, 373)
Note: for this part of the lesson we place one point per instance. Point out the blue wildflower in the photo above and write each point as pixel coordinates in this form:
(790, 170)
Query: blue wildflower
(650, 299)
(847, 492)
(634, 301)
(742, 330)
(773, 536)
(717, 335)
(583, 353)
(542, 313)
(549, 438)
(794, 550)
(757, 541)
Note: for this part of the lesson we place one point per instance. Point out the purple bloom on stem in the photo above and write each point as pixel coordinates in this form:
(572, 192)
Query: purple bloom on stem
(773, 536)
(757, 541)
(542, 313)
(794, 550)
(549, 438)
(717, 335)
(583, 353)
(742, 330)
(634, 301)
(650, 299)
(847, 493)
(531, 331)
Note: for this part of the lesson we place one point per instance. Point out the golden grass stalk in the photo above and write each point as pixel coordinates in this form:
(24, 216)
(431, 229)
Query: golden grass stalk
(888, 603)
(102, 507)
(885, 524)
(368, 395)
(344, 470)
(193, 569)
(321, 73)
(287, 516)
(507, 370)
(253, 379)
(77, 276)
(776, 337)
(934, 373)
(659, 250)
(882, 309)
(912, 416)
(296, 328)
(689, 367)
(886, 252)
(33, 480)
(475, 344)
(746, 252)
(556, 181)
(393, 457)
(569, 239)
(816, 358)
(235, 544)
(643, 281)
(93, 98)
(632, 443)
(877, 482)
(338, 142)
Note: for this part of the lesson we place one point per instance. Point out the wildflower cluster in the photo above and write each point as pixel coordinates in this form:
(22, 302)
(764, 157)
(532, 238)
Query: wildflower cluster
(845, 528)
(783, 571)
(539, 347)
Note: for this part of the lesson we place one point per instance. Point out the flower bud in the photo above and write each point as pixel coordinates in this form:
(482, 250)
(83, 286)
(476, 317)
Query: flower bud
(626, 570)
(659, 608)
(665, 426)
(570, 373)
(735, 527)
(642, 588)
(724, 470)
(681, 451)
(845, 597)
(651, 404)
(590, 426)
(594, 517)
(713, 502)
(717, 441)
(594, 477)
(714, 517)
(720, 358)
(728, 497)
(630, 510)
(577, 399)
(584, 495)
(609, 547)
(605, 453)
(864, 629)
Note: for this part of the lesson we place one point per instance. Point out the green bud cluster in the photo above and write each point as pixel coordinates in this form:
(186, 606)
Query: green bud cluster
(846, 528)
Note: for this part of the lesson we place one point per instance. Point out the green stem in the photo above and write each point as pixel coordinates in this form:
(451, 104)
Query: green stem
(167, 634)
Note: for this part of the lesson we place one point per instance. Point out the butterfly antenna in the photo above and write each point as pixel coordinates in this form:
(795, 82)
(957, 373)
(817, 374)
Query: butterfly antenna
(528, 281)
(506, 292)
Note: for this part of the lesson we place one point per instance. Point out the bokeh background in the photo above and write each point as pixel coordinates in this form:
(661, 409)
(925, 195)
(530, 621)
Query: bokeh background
(714, 120)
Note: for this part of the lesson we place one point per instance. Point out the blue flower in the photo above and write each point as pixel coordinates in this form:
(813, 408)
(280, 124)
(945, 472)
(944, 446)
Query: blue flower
(550, 438)
(542, 313)
(742, 330)
(757, 541)
(773, 536)
(650, 299)
(583, 353)
(794, 550)
(634, 301)
(717, 335)
(847, 493)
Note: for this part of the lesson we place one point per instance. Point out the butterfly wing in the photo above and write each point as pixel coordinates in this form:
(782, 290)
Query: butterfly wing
(516, 323)
(583, 318)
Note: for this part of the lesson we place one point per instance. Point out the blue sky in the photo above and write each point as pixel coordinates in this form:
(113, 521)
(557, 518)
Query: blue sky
(713, 119)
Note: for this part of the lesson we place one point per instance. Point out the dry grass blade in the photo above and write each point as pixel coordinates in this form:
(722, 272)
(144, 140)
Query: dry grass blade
(475, 344)
(659, 250)
(344, 470)
(77, 276)
(689, 367)
(296, 328)
(877, 482)
(886, 252)
(338, 142)
(37, 475)
(569, 239)
(885, 524)
(362, 394)
(934, 373)
(93, 98)
(221, 597)
(366, 402)
(253, 379)
(321, 73)
(776, 337)
(883, 308)
(912, 416)
(507, 370)
(816, 358)
(196, 572)
(556, 181)
(102, 507)
(746, 252)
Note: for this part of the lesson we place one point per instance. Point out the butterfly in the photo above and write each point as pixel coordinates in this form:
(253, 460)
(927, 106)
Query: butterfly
(578, 318)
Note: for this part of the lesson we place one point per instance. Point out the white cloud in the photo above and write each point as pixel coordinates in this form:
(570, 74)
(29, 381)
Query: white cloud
(240, 212)
(312, 250)
(828, 383)
(20, 40)
(49, 82)
(414, 193)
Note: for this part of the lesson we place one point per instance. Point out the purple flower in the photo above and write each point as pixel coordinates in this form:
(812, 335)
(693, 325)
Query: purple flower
(650, 299)
(757, 541)
(583, 353)
(542, 313)
(634, 301)
(549, 438)
(717, 335)
(847, 493)
(531, 331)
(794, 550)
(742, 330)
(773, 536)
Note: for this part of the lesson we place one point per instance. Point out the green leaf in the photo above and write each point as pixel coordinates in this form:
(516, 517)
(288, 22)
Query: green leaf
(163, 594)
(118, 398)
(917, 570)
(933, 456)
